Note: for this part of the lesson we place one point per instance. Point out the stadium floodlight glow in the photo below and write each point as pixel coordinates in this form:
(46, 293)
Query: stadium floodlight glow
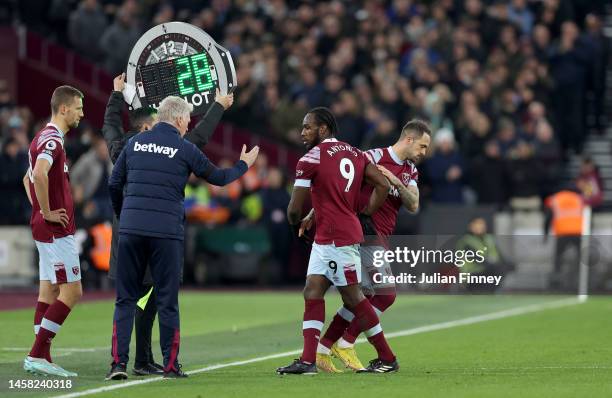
(180, 59)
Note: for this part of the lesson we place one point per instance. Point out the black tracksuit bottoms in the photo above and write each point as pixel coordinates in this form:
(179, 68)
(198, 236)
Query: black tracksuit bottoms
(164, 256)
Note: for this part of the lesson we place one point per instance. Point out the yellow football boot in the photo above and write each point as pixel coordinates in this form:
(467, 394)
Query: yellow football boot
(325, 364)
(348, 356)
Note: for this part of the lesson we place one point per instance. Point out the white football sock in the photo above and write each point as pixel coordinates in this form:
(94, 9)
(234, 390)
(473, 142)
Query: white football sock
(321, 349)
(344, 344)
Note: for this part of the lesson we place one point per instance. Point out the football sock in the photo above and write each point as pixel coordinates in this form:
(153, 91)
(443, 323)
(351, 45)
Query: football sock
(321, 349)
(50, 325)
(342, 343)
(370, 325)
(338, 325)
(380, 302)
(314, 316)
(39, 313)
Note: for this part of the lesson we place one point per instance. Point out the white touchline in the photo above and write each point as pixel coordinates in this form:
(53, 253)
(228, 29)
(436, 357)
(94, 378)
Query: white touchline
(408, 332)
(69, 350)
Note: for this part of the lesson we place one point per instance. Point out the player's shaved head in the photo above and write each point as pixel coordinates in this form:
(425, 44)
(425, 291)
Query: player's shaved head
(64, 95)
(414, 141)
(416, 128)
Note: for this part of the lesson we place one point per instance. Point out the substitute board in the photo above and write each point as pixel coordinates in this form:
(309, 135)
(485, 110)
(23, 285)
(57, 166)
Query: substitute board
(179, 59)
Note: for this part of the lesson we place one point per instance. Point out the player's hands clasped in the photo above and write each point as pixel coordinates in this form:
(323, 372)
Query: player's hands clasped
(225, 100)
(58, 216)
(390, 176)
(119, 82)
(249, 157)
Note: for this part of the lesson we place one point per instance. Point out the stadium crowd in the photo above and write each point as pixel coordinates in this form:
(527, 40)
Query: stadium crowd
(510, 88)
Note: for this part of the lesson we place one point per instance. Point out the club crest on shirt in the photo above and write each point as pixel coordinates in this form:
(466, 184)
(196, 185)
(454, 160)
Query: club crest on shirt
(406, 178)
(75, 270)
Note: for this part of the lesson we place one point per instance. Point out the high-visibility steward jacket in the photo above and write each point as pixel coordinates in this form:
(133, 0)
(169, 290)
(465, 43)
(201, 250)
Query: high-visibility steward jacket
(567, 207)
(100, 253)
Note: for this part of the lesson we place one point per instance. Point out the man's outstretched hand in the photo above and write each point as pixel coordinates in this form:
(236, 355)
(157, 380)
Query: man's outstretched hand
(249, 157)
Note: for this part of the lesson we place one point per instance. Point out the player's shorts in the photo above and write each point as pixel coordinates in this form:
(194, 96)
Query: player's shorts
(341, 265)
(369, 271)
(59, 260)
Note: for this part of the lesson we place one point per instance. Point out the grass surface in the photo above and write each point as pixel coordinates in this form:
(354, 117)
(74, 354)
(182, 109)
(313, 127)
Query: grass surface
(561, 352)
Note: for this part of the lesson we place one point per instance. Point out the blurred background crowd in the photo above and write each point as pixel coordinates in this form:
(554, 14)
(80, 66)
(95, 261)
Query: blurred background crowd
(511, 89)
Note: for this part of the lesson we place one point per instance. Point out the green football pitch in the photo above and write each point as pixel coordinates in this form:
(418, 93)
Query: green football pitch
(455, 346)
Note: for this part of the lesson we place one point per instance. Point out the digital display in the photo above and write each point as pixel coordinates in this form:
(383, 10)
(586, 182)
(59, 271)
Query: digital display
(182, 76)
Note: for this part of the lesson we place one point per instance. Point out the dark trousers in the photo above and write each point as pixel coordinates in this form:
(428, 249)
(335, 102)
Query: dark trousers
(563, 244)
(565, 274)
(164, 257)
(568, 104)
(143, 328)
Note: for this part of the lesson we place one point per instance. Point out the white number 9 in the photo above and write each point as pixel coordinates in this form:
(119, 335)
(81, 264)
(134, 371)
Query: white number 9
(348, 171)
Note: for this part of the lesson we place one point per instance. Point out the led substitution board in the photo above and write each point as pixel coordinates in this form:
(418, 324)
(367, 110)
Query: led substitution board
(178, 59)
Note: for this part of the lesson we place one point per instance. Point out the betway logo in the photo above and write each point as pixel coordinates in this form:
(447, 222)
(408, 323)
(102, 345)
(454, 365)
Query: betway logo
(152, 147)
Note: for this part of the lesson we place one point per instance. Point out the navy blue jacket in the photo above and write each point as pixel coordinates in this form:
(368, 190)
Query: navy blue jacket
(154, 167)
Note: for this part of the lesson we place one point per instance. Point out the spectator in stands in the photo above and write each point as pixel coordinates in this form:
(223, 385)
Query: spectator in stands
(569, 63)
(255, 178)
(478, 239)
(590, 184)
(285, 120)
(227, 196)
(488, 173)
(519, 13)
(164, 15)
(84, 27)
(475, 132)
(524, 177)
(445, 169)
(536, 114)
(351, 124)
(89, 179)
(506, 137)
(435, 107)
(275, 199)
(6, 100)
(599, 47)
(118, 40)
(547, 154)
(383, 134)
(541, 42)
(13, 200)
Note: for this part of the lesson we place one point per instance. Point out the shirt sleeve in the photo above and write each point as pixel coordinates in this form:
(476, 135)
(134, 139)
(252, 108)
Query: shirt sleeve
(374, 155)
(202, 167)
(306, 169)
(117, 181)
(414, 176)
(49, 148)
(112, 128)
(206, 126)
